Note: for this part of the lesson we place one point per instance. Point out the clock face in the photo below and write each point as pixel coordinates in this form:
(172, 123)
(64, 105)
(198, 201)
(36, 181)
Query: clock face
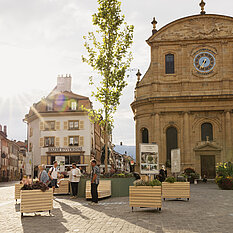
(204, 62)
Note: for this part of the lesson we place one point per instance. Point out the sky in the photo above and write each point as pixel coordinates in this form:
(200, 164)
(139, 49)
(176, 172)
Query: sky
(40, 39)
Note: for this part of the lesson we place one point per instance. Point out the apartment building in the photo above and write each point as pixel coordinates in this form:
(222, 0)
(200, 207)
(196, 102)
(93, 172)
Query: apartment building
(59, 128)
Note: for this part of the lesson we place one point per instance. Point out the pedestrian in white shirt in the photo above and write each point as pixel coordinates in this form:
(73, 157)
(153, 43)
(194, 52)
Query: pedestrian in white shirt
(53, 174)
(75, 178)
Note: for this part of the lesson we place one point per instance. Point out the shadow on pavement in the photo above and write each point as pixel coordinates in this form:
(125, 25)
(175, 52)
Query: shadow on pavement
(44, 223)
(71, 210)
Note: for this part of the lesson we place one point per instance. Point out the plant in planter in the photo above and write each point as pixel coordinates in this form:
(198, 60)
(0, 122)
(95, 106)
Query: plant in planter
(173, 189)
(224, 178)
(191, 174)
(36, 197)
(145, 194)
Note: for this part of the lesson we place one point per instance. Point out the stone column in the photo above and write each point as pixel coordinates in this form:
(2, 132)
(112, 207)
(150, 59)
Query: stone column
(186, 156)
(157, 134)
(228, 135)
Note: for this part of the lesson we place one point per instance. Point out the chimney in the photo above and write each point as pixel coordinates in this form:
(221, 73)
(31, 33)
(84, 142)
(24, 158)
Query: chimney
(0, 128)
(64, 83)
(5, 130)
(121, 143)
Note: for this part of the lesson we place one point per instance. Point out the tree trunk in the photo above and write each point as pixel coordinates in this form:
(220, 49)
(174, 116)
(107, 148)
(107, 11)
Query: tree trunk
(106, 152)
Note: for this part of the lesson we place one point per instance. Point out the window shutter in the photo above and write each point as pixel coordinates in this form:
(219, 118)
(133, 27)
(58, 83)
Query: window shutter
(81, 141)
(41, 142)
(41, 126)
(57, 125)
(65, 141)
(81, 124)
(57, 142)
(65, 125)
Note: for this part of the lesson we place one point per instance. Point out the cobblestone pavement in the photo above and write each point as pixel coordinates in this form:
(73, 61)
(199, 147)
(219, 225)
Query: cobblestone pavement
(209, 210)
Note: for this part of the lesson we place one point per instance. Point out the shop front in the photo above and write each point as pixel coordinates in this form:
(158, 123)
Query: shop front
(68, 155)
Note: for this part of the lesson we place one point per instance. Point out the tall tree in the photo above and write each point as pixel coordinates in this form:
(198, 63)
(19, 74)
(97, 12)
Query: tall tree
(109, 56)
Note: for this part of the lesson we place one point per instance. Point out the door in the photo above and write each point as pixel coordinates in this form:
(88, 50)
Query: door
(208, 166)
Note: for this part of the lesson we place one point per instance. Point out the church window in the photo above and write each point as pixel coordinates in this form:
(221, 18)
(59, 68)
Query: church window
(171, 140)
(169, 64)
(145, 135)
(207, 132)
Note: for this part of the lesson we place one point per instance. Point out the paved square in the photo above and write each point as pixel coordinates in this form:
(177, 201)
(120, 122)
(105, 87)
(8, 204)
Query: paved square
(209, 210)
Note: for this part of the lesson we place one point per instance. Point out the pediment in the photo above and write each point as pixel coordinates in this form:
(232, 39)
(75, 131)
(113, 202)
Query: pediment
(207, 146)
(195, 27)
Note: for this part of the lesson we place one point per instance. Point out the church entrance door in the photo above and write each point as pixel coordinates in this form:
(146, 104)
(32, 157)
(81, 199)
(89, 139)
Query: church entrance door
(208, 166)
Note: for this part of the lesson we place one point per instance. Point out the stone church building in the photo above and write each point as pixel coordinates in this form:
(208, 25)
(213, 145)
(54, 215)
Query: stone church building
(185, 99)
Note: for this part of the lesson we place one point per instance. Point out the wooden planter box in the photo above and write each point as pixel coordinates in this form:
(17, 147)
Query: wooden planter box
(145, 196)
(17, 191)
(176, 190)
(63, 187)
(36, 201)
(104, 189)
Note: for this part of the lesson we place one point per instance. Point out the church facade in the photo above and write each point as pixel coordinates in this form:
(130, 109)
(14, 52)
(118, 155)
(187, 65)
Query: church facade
(185, 99)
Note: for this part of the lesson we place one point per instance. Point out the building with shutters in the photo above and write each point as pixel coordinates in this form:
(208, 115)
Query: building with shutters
(185, 99)
(57, 126)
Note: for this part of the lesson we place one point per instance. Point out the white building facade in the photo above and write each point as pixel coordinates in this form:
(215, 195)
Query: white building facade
(58, 126)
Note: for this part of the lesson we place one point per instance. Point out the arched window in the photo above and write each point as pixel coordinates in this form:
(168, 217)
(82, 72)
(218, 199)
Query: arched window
(145, 135)
(207, 132)
(171, 139)
(169, 64)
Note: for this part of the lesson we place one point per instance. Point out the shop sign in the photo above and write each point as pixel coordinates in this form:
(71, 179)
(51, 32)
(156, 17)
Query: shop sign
(60, 149)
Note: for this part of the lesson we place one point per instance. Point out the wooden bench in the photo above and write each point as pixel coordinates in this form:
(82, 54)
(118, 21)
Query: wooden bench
(104, 189)
(63, 187)
(17, 191)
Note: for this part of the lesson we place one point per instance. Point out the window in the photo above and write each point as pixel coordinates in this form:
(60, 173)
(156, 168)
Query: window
(73, 140)
(207, 132)
(73, 106)
(145, 135)
(49, 125)
(49, 106)
(73, 125)
(49, 141)
(169, 64)
(75, 159)
(171, 139)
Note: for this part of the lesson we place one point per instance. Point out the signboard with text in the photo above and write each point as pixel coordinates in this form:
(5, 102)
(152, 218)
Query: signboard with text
(149, 158)
(175, 160)
(29, 163)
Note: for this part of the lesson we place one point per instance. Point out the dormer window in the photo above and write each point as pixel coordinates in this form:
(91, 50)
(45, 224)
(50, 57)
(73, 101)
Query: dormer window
(49, 106)
(169, 64)
(73, 105)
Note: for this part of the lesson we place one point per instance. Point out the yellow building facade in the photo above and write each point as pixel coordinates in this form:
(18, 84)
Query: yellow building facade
(185, 99)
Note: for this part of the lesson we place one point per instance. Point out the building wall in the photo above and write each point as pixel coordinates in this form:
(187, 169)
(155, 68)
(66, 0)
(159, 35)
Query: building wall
(186, 99)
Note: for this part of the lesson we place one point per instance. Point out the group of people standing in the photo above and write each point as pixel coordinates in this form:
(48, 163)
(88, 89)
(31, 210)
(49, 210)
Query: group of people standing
(74, 174)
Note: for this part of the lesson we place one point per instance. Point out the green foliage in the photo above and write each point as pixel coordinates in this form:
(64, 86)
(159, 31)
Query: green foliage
(150, 183)
(154, 183)
(224, 177)
(168, 164)
(109, 57)
(188, 171)
(170, 179)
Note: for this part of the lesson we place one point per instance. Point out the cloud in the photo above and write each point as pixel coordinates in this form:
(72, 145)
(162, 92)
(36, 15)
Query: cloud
(43, 38)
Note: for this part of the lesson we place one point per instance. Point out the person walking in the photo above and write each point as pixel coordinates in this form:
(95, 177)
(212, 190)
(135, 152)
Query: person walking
(43, 175)
(162, 174)
(53, 174)
(75, 178)
(95, 176)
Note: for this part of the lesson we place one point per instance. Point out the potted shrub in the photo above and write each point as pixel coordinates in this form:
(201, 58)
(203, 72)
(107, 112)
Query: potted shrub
(173, 189)
(145, 194)
(191, 174)
(36, 197)
(224, 178)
